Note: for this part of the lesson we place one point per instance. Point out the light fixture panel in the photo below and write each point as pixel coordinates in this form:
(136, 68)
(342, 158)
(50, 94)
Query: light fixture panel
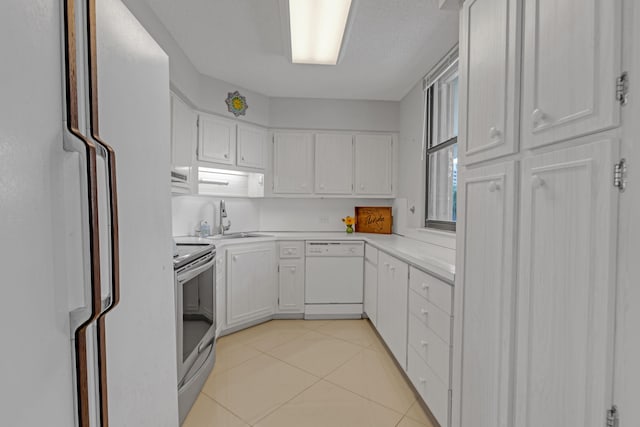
(317, 29)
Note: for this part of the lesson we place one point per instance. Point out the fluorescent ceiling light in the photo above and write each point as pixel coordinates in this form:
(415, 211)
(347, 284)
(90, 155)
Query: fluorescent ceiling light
(317, 29)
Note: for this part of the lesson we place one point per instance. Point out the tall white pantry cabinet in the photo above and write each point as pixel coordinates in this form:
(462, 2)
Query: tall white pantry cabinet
(537, 231)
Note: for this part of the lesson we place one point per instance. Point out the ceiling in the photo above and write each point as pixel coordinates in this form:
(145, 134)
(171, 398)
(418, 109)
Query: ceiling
(391, 45)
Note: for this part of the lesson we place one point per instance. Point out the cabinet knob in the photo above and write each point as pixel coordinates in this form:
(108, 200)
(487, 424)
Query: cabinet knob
(494, 133)
(226, 156)
(494, 186)
(422, 380)
(425, 287)
(362, 186)
(243, 158)
(235, 258)
(536, 182)
(293, 270)
(424, 312)
(392, 268)
(424, 343)
(538, 117)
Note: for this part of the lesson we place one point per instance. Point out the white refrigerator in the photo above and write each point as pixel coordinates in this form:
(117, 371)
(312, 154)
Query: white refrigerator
(64, 244)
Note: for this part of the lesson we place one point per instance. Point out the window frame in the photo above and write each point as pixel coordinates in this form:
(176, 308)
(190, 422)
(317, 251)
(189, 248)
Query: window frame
(429, 85)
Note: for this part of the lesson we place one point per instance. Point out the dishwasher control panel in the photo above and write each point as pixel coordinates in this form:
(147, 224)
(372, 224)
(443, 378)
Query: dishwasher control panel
(334, 248)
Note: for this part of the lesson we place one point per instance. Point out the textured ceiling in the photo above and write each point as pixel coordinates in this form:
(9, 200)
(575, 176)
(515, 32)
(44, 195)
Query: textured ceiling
(391, 45)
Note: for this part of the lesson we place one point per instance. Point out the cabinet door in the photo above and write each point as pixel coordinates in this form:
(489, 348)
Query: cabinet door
(252, 142)
(293, 163)
(489, 79)
(183, 138)
(570, 65)
(371, 291)
(373, 164)
(484, 296)
(250, 283)
(334, 163)
(393, 286)
(291, 286)
(216, 139)
(566, 292)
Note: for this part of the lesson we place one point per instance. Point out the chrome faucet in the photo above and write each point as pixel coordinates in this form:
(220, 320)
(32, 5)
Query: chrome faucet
(223, 214)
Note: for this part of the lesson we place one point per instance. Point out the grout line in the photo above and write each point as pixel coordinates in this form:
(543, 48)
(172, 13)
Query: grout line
(280, 406)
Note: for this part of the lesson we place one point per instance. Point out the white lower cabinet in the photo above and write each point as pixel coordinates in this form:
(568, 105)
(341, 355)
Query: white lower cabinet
(393, 285)
(291, 278)
(251, 283)
(566, 288)
(430, 349)
(485, 294)
(432, 389)
(371, 283)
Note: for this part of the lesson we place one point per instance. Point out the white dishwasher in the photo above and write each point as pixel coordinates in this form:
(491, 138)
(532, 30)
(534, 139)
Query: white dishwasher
(334, 277)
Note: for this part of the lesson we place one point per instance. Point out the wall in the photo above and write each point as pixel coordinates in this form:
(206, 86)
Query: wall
(202, 92)
(411, 174)
(310, 214)
(334, 114)
(188, 211)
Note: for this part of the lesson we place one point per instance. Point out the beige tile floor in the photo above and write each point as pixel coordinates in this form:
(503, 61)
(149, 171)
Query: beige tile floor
(306, 374)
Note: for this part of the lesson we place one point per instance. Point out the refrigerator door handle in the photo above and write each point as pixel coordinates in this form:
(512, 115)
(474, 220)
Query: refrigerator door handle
(92, 56)
(75, 141)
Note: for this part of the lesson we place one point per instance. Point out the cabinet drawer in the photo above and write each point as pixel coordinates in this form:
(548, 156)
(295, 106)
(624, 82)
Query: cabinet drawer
(430, 347)
(291, 249)
(371, 254)
(431, 316)
(434, 290)
(433, 391)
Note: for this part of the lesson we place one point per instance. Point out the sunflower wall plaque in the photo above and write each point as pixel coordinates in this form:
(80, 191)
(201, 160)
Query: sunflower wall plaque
(236, 103)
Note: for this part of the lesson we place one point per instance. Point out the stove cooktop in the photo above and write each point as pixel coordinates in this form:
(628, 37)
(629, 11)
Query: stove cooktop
(191, 249)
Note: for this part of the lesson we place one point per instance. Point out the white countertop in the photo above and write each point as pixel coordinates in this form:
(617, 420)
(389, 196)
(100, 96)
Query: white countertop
(421, 255)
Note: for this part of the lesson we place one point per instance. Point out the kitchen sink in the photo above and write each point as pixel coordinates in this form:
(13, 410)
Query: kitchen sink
(238, 236)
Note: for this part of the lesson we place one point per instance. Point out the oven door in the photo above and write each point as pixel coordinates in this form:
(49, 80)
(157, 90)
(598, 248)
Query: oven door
(195, 311)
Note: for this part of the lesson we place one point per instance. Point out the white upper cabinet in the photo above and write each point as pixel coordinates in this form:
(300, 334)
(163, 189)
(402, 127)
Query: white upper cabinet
(293, 163)
(570, 65)
(373, 164)
(485, 296)
(489, 79)
(334, 163)
(566, 291)
(216, 139)
(252, 142)
(183, 139)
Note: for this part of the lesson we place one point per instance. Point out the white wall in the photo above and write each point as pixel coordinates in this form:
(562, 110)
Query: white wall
(213, 93)
(310, 214)
(202, 92)
(188, 211)
(410, 170)
(304, 113)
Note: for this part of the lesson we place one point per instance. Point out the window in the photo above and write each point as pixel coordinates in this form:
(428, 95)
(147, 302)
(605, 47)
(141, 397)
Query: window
(441, 142)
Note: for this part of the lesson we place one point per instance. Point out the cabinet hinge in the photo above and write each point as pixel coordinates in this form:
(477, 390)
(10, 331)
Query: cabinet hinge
(613, 417)
(622, 88)
(620, 174)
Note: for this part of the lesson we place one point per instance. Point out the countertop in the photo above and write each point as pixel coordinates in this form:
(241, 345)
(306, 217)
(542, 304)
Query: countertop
(421, 255)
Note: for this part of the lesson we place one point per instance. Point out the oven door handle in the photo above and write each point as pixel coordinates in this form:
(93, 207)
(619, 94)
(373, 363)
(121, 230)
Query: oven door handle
(190, 274)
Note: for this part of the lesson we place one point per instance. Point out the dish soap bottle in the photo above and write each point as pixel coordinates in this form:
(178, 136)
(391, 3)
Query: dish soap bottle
(205, 229)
